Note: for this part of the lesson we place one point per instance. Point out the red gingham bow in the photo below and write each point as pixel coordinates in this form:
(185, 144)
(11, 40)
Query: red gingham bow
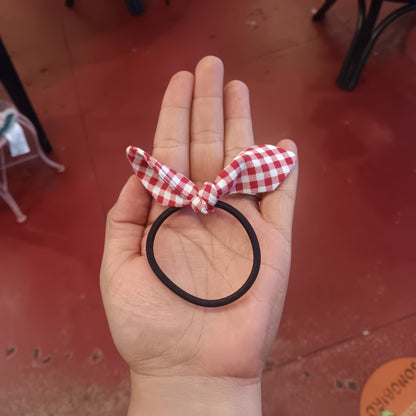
(256, 170)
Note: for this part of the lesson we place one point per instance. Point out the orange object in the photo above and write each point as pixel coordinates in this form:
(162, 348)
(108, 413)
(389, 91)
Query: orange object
(391, 390)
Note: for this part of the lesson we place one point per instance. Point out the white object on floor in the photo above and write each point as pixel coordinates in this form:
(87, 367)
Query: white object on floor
(17, 140)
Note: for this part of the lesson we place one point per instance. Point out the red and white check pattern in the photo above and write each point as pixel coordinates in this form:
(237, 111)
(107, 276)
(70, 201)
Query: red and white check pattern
(257, 170)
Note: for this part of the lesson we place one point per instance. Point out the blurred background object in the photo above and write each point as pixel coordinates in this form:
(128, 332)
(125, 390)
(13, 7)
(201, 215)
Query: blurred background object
(15, 89)
(366, 34)
(135, 6)
(15, 128)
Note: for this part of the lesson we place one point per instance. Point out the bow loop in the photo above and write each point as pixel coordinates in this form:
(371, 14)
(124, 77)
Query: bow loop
(168, 187)
(256, 170)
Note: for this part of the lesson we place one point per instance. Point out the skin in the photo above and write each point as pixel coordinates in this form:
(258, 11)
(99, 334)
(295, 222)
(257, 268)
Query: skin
(186, 359)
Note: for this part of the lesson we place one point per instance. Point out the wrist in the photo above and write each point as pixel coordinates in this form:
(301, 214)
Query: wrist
(194, 395)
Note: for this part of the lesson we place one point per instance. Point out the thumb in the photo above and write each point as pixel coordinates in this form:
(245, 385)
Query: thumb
(126, 220)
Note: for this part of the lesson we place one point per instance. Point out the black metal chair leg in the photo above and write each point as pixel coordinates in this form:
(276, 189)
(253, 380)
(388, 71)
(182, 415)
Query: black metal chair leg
(14, 87)
(320, 14)
(355, 43)
(135, 6)
(348, 76)
(366, 35)
(358, 68)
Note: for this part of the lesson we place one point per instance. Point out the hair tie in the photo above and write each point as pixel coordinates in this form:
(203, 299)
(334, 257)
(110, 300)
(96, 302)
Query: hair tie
(256, 170)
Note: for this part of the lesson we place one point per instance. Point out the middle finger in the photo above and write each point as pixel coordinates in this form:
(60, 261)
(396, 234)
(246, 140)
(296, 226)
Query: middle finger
(207, 122)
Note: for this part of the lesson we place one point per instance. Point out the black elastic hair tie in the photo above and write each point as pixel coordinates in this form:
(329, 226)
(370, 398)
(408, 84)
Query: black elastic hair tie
(187, 296)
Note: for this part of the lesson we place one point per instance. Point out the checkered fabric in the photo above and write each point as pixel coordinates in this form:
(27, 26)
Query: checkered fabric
(254, 171)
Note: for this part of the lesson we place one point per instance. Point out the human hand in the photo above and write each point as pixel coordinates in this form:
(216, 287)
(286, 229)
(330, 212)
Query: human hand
(171, 345)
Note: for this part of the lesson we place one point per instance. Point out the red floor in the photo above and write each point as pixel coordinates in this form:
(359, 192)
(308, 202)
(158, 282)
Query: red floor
(96, 76)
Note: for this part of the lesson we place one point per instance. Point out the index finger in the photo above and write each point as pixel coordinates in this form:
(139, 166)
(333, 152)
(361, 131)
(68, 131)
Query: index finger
(171, 143)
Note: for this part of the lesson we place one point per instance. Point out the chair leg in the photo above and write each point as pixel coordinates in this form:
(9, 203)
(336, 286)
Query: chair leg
(320, 14)
(135, 6)
(20, 217)
(349, 76)
(366, 36)
(23, 120)
(4, 191)
(353, 76)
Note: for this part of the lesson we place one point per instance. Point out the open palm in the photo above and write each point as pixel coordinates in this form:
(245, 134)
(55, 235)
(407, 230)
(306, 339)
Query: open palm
(157, 332)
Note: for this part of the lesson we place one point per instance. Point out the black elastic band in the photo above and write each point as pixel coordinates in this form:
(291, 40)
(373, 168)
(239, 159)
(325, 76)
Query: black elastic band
(187, 296)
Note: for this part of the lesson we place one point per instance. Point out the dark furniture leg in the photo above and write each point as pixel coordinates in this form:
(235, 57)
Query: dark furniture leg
(135, 6)
(366, 35)
(364, 39)
(14, 87)
(320, 14)
(361, 37)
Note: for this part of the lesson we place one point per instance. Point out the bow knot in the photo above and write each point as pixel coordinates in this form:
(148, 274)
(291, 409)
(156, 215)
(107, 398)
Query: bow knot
(206, 198)
(257, 170)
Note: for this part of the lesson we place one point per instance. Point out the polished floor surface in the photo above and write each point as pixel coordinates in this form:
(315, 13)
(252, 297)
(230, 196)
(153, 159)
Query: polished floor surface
(96, 76)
